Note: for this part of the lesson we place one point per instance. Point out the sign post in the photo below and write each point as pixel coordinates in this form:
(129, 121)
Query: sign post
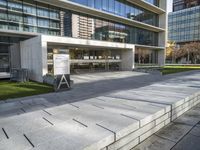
(61, 71)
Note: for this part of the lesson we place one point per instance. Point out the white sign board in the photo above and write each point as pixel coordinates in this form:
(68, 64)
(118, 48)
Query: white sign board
(61, 64)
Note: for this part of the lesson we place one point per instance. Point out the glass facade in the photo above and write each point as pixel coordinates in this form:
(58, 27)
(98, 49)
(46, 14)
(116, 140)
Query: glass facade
(88, 60)
(124, 9)
(184, 25)
(95, 60)
(28, 16)
(31, 16)
(153, 2)
(183, 4)
(100, 29)
(146, 57)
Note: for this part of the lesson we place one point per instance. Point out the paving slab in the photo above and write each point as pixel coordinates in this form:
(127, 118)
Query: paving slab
(10, 106)
(2, 135)
(73, 134)
(35, 101)
(120, 125)
(189, 118)
(170, 94)
(21, 124)
(20, 128)
(67, 108)
(26, 117)
(189, 142)
(195, 131)
(90, 115)
(146, 98)
(155, 143)
(161, 88)
(15, 143)
(33, 108)
(132, 109)
(13, 112)
(174, 132)
(177, 88)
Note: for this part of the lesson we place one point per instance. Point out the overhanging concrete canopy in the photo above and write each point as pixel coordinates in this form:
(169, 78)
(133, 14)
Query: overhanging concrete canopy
(22, 34)
(52, 40)
(149, 47)
(74, 7)
(147, 6)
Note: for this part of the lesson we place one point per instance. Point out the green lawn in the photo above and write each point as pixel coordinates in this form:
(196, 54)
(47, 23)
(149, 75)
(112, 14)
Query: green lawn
(176, 69)
(16, 89)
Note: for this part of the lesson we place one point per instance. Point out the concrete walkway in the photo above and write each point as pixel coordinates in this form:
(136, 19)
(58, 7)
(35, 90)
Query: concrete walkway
(86, 86)
(116, 112)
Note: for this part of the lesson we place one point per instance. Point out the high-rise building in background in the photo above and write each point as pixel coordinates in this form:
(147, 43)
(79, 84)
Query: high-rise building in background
(98, 34)
(183, 4)
(184, 21)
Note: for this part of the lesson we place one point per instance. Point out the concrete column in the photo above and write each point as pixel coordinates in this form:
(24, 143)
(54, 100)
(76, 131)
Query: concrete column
(162, 36)
(44, 58)
(161, 57)
(128, 59)
(163, 4)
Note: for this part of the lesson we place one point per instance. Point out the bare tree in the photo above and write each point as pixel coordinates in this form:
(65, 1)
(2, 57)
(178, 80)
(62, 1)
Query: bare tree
(191, 51)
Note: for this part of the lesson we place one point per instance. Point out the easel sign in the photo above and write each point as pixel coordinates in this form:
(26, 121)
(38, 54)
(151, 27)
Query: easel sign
(61, 71)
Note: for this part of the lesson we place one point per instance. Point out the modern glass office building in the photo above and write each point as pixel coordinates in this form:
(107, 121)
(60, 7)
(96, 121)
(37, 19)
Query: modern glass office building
(184, 23)
(184, 4)
(97, 34)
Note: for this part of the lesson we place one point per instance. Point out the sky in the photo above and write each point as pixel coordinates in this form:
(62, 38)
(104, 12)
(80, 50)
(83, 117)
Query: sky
(169, 5)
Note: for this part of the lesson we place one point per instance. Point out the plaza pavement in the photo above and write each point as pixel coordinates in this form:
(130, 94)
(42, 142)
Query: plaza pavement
(115, 110)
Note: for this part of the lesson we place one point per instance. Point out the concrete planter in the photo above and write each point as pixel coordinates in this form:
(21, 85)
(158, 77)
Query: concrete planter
(49, 79)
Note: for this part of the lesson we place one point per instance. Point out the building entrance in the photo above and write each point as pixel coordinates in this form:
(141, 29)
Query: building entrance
(84, 60)
(91, 60)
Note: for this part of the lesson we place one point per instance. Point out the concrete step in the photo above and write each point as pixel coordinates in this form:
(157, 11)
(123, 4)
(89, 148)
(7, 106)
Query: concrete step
(119, 120)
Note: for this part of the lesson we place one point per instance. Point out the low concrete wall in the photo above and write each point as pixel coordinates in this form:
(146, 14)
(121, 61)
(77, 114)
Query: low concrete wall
(155, 123)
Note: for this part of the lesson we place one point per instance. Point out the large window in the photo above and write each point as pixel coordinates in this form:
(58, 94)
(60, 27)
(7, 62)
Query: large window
(12, 5)
(154, 2)
(29, 9)
(3, 3)
(85, 26)
(94, 60)
(29, 16)
(124, 9)
(30, 20)
(146, 57)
